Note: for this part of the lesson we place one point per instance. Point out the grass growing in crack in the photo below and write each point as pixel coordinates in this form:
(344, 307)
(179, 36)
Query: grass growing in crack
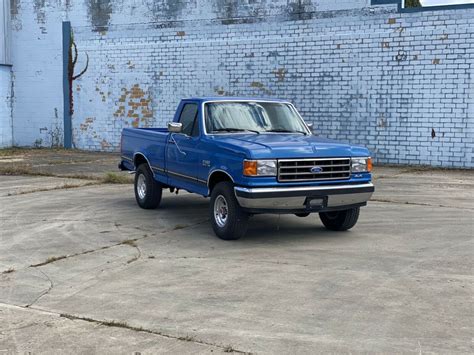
(8, 271)
(186, 338)
(62, 187)
(51, 259)
(180, 226)
(131, 242)
(124, 325)
(15, 169)
(114, 178)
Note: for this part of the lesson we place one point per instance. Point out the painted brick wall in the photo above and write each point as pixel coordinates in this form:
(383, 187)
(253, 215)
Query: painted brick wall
(5, 107)
(397, 83)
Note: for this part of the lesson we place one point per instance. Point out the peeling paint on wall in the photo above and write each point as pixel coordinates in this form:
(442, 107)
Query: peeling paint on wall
(167, 9)
(14, 8)
(38, 7)
(99, 12)
(134, 107)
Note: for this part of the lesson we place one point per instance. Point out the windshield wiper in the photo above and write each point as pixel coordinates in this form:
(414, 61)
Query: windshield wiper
(235, 130)
(285, 131)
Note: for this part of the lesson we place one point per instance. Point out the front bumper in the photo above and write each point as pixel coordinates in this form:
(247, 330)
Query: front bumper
(303, 198)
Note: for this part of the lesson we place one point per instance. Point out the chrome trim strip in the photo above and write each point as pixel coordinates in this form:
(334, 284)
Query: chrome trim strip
(321, 173)
(219, 170)
(136, 153)
(126, 158)
(312, 166)
(257, 190)
(314, 179)
(159, 169)
(312, 159)
(186, 176)
(180, 175)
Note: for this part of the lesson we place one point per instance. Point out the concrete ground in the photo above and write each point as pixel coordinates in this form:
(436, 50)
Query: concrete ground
(84, 270)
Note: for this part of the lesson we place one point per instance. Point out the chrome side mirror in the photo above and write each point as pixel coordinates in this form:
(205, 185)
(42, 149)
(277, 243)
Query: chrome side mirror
(310, 126)
(175, 127)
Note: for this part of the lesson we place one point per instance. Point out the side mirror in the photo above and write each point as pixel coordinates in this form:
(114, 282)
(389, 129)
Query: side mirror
(310, 126)
(175, 127)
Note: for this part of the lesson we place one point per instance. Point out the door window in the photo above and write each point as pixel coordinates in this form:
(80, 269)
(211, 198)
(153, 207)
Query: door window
(188, 118)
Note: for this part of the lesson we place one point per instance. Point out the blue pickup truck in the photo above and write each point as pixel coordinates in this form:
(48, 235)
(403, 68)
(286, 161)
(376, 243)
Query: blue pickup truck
(249, 156)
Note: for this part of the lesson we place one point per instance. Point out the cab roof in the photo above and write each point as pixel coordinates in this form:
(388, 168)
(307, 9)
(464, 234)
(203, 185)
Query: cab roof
(223, 98)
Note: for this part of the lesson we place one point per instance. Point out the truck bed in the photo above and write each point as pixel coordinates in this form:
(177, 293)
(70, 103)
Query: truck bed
(151, 142)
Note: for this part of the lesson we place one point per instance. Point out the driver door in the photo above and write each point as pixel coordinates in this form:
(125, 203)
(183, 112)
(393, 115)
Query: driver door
(182, 154)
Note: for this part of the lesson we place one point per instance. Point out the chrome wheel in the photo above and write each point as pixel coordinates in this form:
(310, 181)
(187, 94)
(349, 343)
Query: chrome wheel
(141, 186)
(221, 211)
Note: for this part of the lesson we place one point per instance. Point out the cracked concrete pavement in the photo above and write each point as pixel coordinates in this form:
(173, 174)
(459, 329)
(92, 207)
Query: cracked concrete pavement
(84, 270)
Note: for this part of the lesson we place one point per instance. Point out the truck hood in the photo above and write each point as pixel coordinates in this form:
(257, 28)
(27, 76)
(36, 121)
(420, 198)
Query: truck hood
(261, 146)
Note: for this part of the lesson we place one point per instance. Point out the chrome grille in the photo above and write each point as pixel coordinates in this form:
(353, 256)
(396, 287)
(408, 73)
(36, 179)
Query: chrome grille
(300, 169)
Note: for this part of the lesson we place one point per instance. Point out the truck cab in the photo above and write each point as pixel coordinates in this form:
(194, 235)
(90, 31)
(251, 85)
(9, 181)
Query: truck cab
(249, 156)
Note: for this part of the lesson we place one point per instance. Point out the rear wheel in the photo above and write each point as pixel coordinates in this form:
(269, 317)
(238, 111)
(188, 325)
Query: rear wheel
(340, 220)
(147, 190)
(228, 219)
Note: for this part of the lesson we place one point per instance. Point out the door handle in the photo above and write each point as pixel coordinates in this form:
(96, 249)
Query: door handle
(173, 141)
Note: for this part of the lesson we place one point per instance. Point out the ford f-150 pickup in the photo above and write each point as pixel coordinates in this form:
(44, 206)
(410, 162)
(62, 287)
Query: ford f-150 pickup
(249, 156)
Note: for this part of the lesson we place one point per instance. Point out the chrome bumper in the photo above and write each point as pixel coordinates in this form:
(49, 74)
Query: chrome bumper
(304, 198)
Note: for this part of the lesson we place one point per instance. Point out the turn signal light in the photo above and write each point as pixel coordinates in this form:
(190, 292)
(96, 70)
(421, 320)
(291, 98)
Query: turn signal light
(250, 168)
(369, 165)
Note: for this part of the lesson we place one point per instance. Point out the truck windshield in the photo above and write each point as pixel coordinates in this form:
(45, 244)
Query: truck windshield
(257, 117)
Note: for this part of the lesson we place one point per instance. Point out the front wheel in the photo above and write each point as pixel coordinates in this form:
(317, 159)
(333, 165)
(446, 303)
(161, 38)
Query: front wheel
(340, 220)
(228, 219)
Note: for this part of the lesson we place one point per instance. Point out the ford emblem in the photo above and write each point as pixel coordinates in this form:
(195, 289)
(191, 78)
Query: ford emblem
(316, 169)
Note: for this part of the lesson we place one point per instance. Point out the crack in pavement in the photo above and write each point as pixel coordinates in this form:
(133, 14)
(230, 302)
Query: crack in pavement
(129, 242)
(51, 285)
(116, 324)
(43, 189)
(418, 204)
(123, 325)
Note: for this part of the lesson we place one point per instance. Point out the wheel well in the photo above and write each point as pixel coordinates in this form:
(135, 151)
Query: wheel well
(217, 177)
(139, 159)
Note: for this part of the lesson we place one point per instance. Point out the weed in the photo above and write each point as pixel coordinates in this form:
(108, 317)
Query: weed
(114, 178)
(179, 226)
(186, 338)
(51, 259)
(131, 242)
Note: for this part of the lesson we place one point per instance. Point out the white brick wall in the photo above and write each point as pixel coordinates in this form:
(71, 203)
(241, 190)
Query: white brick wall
(5, 107)
(369, 76)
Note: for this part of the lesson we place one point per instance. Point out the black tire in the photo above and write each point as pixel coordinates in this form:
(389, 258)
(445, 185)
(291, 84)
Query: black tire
(150, 197)
(234, 224)
(302, 214)
(340, 220)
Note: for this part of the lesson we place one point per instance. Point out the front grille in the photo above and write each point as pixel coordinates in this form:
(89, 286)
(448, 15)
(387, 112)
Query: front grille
(300, 169)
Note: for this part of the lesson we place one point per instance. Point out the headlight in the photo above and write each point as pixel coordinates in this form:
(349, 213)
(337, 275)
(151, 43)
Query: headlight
(361, 165)
(260, 168)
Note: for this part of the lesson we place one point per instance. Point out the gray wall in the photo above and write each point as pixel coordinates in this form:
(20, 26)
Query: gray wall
(398, 83)
(6, 133)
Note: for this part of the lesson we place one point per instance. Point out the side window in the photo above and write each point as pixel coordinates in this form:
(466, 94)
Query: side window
(188, 118)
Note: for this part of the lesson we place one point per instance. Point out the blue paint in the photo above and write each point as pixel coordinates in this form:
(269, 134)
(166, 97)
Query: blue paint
(66, 93)
(178, 160)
